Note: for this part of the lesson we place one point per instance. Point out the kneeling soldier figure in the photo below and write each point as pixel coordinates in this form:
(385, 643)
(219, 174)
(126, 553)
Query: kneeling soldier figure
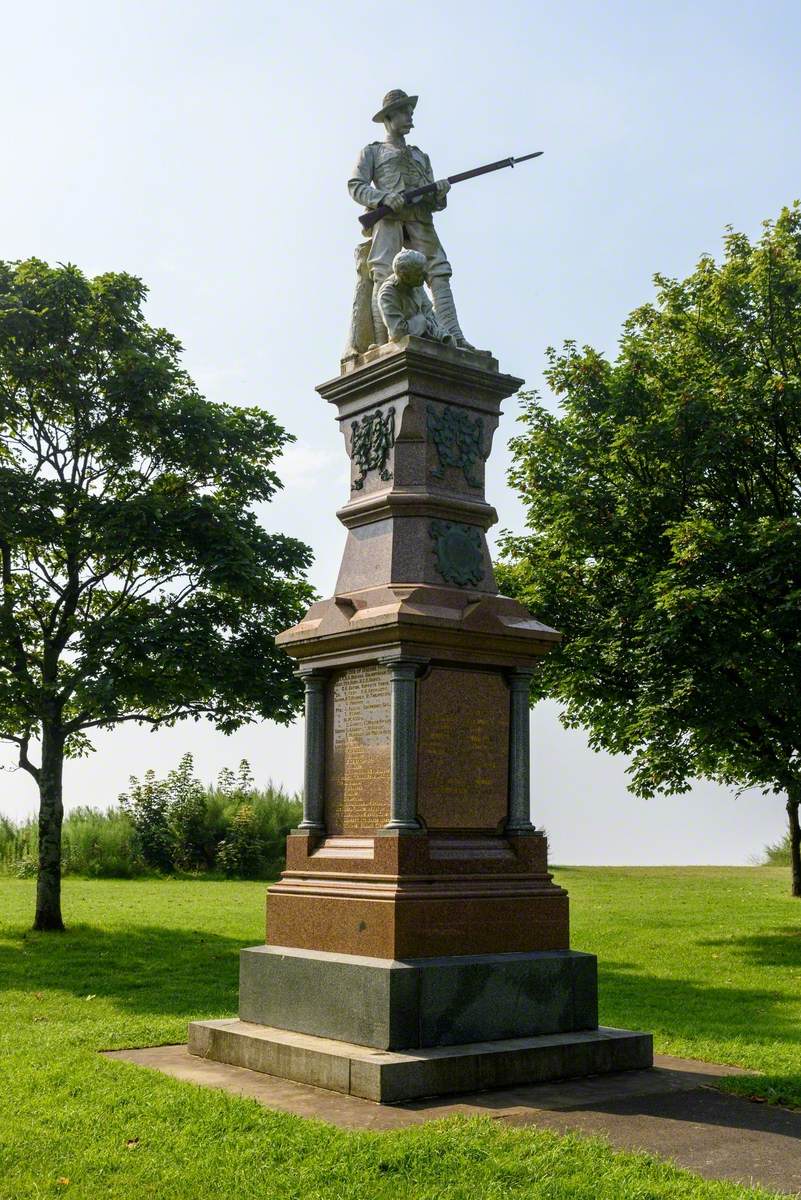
(404, 305)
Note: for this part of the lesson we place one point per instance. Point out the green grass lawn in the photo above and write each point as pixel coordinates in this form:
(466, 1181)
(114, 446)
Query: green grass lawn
(708, 959)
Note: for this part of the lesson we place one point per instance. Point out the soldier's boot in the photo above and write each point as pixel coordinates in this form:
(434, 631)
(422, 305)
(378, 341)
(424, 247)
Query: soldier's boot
(380, 335)
(445, 308)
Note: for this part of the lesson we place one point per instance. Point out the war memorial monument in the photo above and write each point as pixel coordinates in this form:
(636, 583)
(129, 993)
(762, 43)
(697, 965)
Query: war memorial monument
(416, 943)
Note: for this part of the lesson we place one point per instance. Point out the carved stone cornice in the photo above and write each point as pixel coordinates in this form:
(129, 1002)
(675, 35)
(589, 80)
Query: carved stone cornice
(415, 502)
(426, 368)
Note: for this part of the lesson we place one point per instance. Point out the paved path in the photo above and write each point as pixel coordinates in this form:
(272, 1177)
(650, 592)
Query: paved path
(673, 1110)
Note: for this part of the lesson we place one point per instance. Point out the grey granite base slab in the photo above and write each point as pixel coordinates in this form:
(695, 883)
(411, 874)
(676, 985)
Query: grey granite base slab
(393, 1005)
(389, 1077)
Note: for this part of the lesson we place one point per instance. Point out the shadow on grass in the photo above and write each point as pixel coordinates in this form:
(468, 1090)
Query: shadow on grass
(694, 1010)
(716, 1013)
(159, 970)
(144, 969)
(779, 948)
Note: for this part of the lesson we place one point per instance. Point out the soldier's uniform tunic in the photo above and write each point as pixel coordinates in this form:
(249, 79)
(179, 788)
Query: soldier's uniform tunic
(383, 168)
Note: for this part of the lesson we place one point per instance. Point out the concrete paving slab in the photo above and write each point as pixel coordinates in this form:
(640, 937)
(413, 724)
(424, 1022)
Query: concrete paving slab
(348, 1112)
(714, 1134)
(672, 1110)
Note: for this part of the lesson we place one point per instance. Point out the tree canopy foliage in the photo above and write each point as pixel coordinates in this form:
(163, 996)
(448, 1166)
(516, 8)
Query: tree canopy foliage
(137, 582)
(663, 512)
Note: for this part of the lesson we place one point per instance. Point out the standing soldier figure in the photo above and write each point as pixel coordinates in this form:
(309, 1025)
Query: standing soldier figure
(384, 171)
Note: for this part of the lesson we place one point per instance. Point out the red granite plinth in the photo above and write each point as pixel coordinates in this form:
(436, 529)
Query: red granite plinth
(417, 896)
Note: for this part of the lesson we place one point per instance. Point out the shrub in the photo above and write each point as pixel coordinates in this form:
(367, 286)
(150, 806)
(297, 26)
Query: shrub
(169, 824)
(777, 854)
(19, 847)
(192, 848)
(27, 868)
(243, 852)
(8, 832)
(273, 813)
(94, 843)
(231, 826)
(146, 805)
(276, 813)
(102, 845)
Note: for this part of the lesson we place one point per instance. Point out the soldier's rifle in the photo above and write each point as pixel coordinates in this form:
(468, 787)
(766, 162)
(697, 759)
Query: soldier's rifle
(369, 219)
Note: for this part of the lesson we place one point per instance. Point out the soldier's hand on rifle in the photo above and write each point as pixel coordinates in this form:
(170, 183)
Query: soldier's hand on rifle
(395, 200)
(443, 187)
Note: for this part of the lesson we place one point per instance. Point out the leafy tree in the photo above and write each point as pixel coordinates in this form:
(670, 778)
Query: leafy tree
(664, 528)
(137, 582)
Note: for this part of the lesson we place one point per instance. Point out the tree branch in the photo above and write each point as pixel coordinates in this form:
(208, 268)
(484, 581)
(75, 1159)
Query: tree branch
(15, 637)
(79, 723)
(23, 743)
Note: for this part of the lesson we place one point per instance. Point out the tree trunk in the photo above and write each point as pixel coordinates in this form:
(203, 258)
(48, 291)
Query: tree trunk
(793, 801)
(51, 815)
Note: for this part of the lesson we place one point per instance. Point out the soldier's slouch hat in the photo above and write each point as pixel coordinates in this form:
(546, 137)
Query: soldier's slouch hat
(394, 99)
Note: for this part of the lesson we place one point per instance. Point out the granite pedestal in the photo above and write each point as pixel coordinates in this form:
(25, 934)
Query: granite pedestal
(416, 942)
(422, 1002)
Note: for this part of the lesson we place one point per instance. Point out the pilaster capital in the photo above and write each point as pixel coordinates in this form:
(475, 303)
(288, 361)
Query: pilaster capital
(519, 678)
(403, 666)
(313, 678)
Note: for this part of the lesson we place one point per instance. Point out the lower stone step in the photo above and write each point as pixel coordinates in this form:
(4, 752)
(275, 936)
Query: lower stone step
(390, 1077)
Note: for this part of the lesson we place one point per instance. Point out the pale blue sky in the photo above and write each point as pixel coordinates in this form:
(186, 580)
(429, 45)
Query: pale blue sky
(205, 147)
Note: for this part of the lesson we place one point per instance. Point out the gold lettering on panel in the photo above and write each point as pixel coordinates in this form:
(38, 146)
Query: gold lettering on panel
(463, 749)
(358, 750)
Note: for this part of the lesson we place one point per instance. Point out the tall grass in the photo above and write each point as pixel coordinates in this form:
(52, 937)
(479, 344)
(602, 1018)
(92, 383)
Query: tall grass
(168, 826)
(100, 845)
(273, 812)
(17, 845)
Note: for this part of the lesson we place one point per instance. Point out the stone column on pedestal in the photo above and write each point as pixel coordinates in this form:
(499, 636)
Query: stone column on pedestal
(403, 681)
(314, 757)
(519, 818)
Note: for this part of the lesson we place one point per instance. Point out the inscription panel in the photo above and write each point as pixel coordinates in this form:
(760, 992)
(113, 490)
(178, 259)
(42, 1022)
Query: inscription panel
(463, 749)
(357, 793)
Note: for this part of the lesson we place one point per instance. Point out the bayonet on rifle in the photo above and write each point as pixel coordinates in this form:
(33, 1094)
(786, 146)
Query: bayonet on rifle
(369, 219)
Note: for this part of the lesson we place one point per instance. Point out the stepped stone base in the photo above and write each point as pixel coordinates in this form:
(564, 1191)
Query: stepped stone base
(391, 1077)
(392, 1005)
